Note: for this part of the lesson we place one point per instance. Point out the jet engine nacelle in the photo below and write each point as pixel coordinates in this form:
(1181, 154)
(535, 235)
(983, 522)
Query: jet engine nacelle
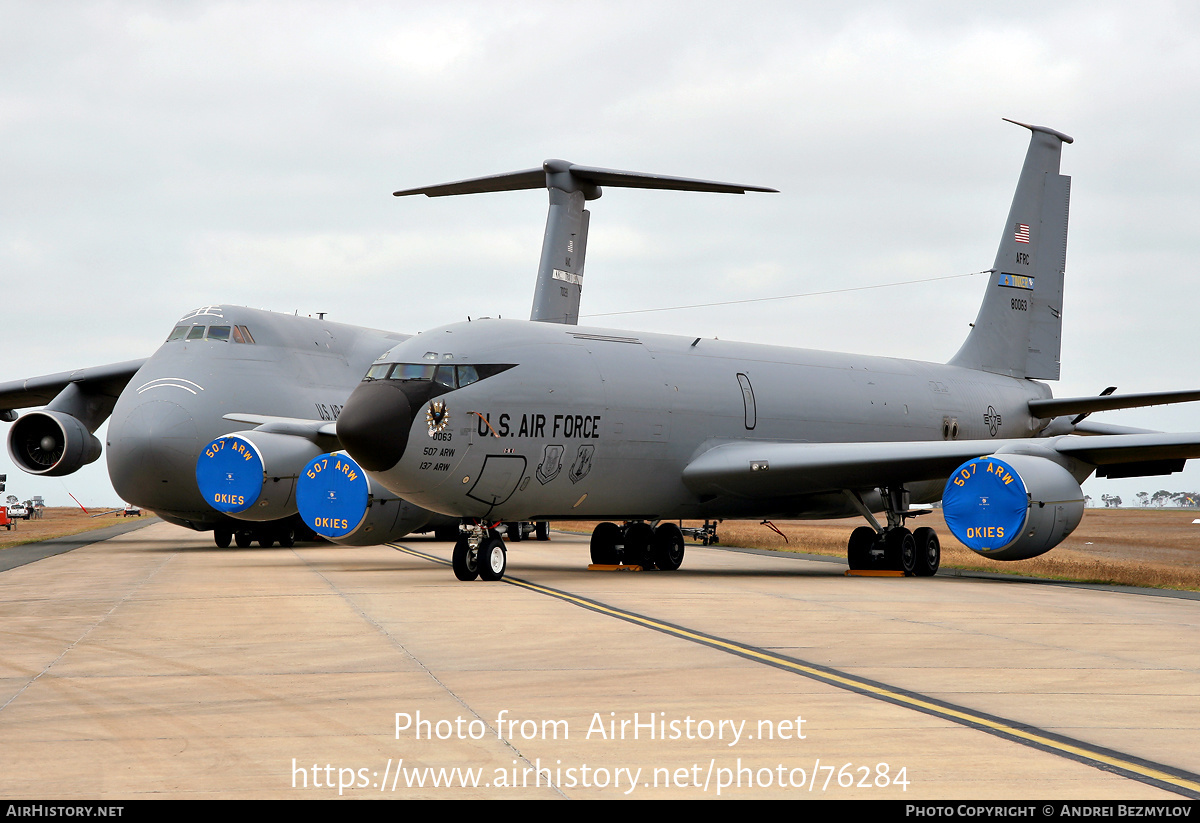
(341, 503)
(1012, 506)
(251, 475)
(51, 443)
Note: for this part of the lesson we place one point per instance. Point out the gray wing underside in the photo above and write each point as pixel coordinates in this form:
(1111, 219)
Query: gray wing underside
(38, 391)
(297, 426)
(773, 469)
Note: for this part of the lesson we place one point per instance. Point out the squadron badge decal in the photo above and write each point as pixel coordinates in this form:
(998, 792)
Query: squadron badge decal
(437, 416)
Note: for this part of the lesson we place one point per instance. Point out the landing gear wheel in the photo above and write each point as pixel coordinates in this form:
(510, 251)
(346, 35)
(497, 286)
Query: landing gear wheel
(222, 537)
(466, 560)
(638, 537)
(899, 550)
(929, 552)
(605, 539)
(493, 559)
(266, 540)
(287, 537)
(513, 532)
(541, 530)
(667, 547)
(243, 539)
(858, 550)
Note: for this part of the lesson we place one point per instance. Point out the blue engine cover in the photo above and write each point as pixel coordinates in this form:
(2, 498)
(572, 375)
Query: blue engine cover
(1012, 508)
(332, 495)
(229, 473)
(985, 504)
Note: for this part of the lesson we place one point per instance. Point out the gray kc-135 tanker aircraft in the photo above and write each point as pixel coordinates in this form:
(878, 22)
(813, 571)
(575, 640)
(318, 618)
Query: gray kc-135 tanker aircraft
(178, 416)
(501, 420)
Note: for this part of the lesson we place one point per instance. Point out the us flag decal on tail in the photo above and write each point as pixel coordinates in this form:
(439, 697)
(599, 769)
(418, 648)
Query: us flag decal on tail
(1022, 233)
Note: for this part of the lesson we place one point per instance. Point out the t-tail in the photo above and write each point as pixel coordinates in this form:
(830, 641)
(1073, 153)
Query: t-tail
(1019, 328)
(560, 273)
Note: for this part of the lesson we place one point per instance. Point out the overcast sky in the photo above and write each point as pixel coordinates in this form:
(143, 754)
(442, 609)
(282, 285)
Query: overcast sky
(157, 157)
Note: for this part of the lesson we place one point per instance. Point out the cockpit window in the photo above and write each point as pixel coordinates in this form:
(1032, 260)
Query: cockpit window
(445, 375)
(412, 371)
(467, 375)
(220, 334)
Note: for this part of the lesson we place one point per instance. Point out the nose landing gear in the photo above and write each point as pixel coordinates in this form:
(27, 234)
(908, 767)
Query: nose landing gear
(480, 553)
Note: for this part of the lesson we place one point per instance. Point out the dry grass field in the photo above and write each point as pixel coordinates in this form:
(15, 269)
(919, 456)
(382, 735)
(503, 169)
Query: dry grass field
(56, 523)
(1134, 547)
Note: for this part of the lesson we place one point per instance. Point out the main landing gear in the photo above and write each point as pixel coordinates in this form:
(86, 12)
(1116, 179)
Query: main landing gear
(638, 544)
(480, 553)
(285, 533)
(895, 548)
(267, 536)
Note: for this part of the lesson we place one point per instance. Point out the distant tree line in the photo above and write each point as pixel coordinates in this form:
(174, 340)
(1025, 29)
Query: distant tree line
(1160, 498)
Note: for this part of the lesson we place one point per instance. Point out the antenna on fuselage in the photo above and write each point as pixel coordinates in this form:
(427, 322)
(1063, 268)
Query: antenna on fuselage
(560, 273)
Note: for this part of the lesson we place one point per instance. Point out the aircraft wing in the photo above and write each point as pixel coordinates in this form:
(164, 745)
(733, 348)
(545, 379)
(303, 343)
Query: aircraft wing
(298, 426)
(757, 469)
(39, 391)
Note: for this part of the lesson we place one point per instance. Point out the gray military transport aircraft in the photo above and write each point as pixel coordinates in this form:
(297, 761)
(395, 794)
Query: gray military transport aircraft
(500, 420)
(177, 442)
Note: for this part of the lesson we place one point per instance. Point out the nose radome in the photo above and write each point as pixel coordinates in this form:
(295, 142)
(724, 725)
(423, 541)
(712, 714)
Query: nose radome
(374, 424)
(152, 457)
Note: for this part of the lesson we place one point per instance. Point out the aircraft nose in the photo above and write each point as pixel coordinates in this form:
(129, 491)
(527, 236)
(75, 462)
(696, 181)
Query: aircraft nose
(152, 455)
(374, 424)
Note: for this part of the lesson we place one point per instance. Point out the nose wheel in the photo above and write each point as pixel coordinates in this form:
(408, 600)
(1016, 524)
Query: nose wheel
(481, 555)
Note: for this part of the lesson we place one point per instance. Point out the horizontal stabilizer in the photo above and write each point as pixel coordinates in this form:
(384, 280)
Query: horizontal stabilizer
(1057, 406)
(564, 246)
(511, 181)
(561, 174)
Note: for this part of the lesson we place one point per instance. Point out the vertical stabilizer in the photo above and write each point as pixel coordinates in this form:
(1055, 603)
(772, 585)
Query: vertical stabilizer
(560, 273)
(1019, 326)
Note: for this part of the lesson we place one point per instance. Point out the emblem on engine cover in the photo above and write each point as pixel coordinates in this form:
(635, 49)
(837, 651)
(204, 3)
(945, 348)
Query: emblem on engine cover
(437, 416)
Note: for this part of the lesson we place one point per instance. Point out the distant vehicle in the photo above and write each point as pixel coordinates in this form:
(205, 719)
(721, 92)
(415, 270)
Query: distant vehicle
(131, 511)
(18, 511)
(4, 519)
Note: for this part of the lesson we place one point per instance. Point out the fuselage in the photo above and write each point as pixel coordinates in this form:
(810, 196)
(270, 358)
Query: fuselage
(590, 423)
(229, 359)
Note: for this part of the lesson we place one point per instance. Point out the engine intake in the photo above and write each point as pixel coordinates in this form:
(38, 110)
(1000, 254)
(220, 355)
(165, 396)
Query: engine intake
(51, 443)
